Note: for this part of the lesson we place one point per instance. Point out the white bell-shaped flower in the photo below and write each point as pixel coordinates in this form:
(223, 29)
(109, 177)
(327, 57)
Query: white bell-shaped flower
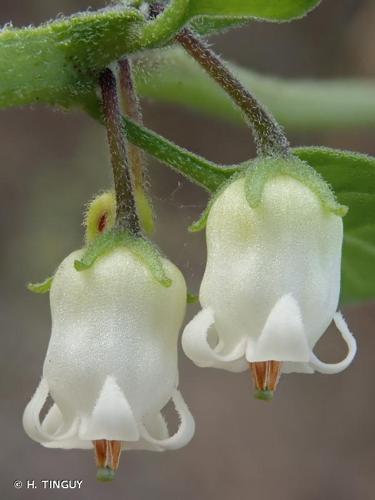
(111, 364)
(271, 285)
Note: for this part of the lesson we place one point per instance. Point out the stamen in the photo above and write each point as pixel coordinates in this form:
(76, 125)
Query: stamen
(266, 375)
(107, 454)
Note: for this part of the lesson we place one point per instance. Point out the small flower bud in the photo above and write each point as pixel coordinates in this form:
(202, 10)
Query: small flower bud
(100, 215)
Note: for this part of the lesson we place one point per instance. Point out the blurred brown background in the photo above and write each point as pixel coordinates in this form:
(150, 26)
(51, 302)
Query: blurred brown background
(316, 440)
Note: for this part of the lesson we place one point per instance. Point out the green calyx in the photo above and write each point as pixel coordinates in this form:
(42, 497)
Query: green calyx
(200, 224)
(262, 170)
(138, 245)
(102, 236)
(42, 287)
(257, 172)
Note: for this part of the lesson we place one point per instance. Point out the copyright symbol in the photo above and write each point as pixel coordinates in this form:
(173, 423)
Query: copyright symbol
(17, 484)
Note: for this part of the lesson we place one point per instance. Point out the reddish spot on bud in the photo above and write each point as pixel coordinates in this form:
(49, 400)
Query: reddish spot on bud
(102, 222)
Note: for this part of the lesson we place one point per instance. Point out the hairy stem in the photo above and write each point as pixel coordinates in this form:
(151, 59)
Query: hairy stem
(297, 104)
(130, 107)
(126, 214)
(207, 174)
(269, 137)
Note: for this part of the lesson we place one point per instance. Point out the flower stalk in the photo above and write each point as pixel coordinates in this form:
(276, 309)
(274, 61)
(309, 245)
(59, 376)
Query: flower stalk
(269, 137)
(126, 213)
(107, 457)
(131, 108)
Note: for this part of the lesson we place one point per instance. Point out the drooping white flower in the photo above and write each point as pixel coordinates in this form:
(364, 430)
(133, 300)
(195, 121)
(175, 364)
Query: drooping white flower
(271, 285)
(111, 364)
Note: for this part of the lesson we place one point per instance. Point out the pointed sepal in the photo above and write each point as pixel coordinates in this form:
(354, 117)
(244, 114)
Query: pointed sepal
(200, 224)
(42, 287)
(140, 247)
(262, 170)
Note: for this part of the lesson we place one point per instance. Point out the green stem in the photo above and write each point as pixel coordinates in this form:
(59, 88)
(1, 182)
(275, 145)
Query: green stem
(58, 63)
(126, 213)
(207, 174)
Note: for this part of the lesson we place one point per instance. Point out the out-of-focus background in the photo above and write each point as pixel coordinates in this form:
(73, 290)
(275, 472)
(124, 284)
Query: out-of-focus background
(316, 440)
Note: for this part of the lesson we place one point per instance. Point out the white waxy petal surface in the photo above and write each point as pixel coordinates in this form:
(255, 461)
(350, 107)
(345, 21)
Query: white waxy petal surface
(111, 364)
(272, 280)
(287, 245)
(113, 320)
(112, 416)
(283, 337)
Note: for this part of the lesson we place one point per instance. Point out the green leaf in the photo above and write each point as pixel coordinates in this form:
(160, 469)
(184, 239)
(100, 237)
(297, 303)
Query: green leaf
(58, 63)
(270, 10)
(207, 25)
(42, 287)
(352, 177)
(358, 270)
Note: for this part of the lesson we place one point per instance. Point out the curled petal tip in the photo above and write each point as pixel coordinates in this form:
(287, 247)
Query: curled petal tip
(347, 336)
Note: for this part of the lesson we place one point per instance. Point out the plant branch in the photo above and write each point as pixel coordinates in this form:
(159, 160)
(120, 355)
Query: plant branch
(207, 174)
(126, 214)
